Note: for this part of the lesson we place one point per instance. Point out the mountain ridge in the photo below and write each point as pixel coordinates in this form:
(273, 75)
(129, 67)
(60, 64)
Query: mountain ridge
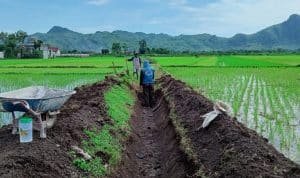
(284, 35)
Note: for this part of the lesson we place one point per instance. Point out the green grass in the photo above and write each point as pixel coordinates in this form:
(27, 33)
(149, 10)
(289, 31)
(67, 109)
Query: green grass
(286, 60)
(10, 82)
(58, 73)
(231, 61)
(108, 140)
(35, 71)
(100, 62)
(188, 61)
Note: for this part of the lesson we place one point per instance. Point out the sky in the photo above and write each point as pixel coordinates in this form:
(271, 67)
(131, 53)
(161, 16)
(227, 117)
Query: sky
(217, 17)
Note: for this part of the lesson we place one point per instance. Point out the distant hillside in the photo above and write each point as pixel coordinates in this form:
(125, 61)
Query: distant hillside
(285, 35)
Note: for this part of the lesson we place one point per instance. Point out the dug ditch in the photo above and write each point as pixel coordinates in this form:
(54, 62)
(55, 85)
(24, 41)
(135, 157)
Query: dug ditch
(153, 149)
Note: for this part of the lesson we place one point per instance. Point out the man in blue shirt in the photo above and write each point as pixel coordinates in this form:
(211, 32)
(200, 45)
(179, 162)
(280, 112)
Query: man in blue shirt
(147, 82)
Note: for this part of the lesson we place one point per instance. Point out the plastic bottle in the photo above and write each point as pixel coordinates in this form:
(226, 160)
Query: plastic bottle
(25, 129)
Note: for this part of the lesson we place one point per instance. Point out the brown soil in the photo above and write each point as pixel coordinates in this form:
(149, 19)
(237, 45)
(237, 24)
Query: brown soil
(50, 157)
(226, 148)
(153, 148)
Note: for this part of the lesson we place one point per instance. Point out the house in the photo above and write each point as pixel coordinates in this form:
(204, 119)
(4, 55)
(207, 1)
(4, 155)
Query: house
(50, 51)
(46, 53)
(54, 52)
(33, 48)
(27, 48)
(1, 55)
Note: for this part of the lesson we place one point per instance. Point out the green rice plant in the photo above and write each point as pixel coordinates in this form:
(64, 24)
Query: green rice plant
(273, 95)
(119, 97)
(99, 143)
(256, 104)
(106, 143)
(87, 62)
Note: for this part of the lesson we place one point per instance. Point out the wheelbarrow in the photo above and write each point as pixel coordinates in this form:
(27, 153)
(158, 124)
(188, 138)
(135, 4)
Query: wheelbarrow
(40, 103)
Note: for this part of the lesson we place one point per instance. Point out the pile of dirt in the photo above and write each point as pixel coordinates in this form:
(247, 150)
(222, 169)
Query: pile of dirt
(153, 149)
(226, 148)
(50, 157)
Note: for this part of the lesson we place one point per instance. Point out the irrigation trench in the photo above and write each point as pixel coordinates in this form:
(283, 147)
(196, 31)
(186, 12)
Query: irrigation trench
(153, 148)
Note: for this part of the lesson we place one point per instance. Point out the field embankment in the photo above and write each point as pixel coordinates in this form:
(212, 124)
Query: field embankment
(226, 148)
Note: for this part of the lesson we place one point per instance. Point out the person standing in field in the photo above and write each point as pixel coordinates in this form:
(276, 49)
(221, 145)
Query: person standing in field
(147, 82)
(137, 62)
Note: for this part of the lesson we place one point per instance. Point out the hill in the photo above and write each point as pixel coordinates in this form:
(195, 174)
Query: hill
(285, 35)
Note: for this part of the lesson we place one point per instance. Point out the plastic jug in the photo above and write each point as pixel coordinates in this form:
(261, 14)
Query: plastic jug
(25, 129)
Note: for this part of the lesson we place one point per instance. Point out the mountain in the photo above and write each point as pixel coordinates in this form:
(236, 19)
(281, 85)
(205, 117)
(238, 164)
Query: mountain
(285, 35)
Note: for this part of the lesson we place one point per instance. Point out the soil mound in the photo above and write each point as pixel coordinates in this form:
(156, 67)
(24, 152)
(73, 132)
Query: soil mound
(50, 157)
(226, 148)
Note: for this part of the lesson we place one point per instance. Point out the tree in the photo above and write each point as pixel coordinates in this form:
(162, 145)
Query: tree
(104, 51)
(116, 48)
(3, 36)
(160, 51)
(20, 36)
(143, 46)
(125, 47)
(10, 45)
(37, 44)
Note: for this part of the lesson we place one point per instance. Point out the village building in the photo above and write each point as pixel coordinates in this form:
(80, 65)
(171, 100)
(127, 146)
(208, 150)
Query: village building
(32, 48)
(50, 52)
(1, 55)
(54, 52)
(1, 52)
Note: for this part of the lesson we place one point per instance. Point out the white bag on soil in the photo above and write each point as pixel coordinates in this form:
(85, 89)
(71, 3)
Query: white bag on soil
(219, 108)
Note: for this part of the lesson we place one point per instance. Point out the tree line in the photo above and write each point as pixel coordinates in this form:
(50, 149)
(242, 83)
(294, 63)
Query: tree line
(122, 48)
(11, 44)
(119, 49)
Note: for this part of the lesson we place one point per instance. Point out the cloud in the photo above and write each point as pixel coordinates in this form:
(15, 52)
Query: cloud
(227, 17)
(93, 29)
(98, 2)
(177, 2)
(155, 22)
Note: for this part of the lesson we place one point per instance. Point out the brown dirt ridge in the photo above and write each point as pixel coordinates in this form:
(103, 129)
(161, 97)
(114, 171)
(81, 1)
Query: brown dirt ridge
(226, 148)
(50, 157)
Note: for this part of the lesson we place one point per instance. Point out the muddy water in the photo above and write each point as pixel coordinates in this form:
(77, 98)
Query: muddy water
(153, 149)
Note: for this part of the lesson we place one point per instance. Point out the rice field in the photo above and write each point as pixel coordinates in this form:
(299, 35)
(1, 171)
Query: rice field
(65, 73)
(62, 73)
(263, 91)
